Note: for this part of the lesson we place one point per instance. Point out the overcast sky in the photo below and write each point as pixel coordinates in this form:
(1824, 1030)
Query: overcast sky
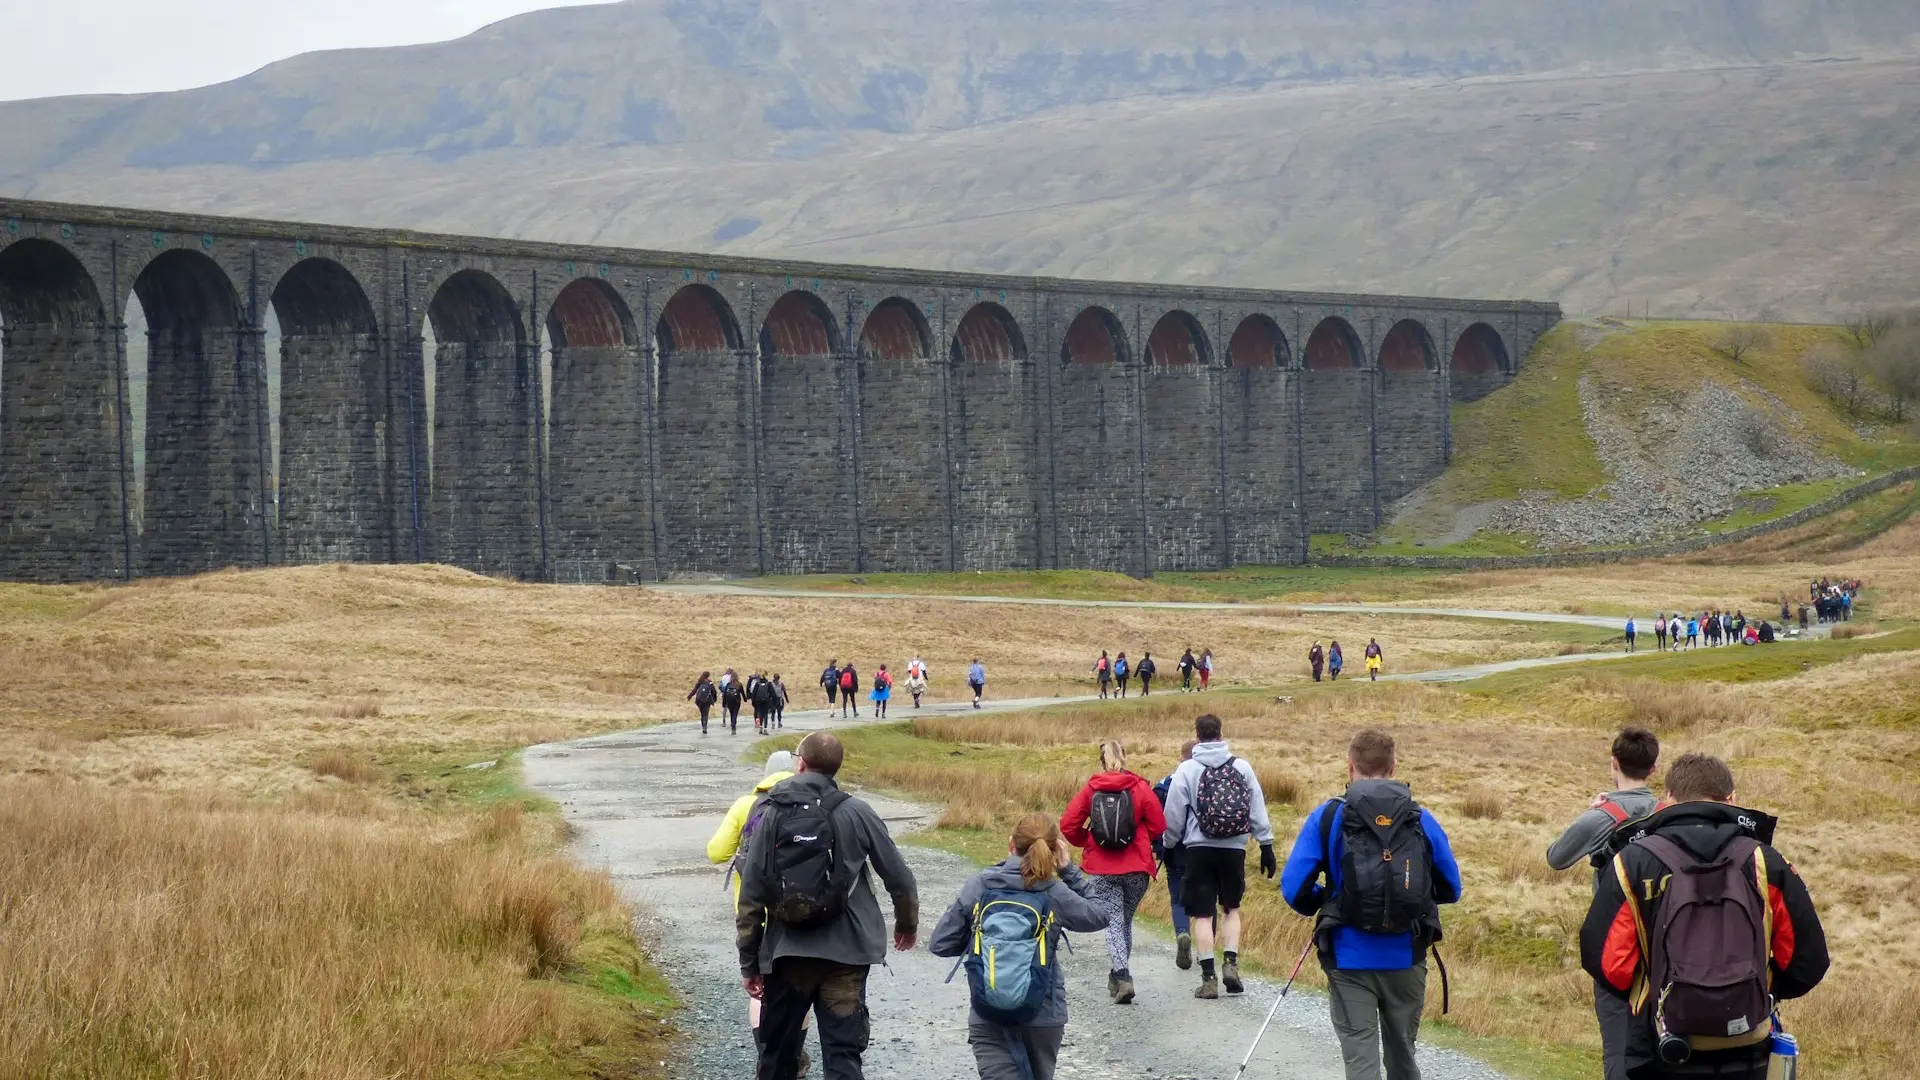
(127, 46)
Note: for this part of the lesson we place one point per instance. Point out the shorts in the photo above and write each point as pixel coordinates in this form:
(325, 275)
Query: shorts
(1212, 877)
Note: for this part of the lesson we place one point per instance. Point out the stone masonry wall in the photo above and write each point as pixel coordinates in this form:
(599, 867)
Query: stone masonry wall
(485, 504)
(903, 465)
(599, 513)
(706, 481)
(62, 433)
(1409, 430)
(1262, 499)
(205, 449)
(997, 471)
(1096, 447)
(1338, 451)
(808, 454)
(1184, 521)
(333, 483)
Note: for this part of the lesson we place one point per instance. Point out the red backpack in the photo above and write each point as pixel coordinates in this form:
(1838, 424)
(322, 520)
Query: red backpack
(846, 678)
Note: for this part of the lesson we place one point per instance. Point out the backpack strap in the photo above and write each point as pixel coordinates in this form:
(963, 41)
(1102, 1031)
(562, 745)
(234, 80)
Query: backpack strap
(1641, 990)
(1615, 811)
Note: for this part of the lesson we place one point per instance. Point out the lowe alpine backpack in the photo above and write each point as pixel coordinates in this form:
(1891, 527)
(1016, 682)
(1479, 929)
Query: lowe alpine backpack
(801, 856)
(1707, 951)
(1110, 819)
(1223, 802)
(1386, 869)
(1010, 966)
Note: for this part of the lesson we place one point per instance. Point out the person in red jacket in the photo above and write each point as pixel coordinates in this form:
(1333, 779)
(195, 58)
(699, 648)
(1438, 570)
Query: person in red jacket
(1115, 819)
(1700, 822)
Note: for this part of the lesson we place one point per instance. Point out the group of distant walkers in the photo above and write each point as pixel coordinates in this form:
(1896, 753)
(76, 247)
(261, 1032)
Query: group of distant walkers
(1332, 660)
(1696, 930)
(1831, 602)
(1112, 673)
(769, 697)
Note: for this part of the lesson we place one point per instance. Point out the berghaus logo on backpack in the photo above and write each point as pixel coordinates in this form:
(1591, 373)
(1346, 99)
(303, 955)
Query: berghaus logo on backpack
(803, 857)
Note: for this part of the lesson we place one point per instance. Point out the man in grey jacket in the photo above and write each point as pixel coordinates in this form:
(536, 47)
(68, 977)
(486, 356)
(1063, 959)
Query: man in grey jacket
(1635, 752)
(821, 968)
(1215, 865)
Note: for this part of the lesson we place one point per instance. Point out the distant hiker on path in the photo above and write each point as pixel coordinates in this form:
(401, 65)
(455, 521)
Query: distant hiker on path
(1214, 804)
(1388, 866)
(725, 845)
(977, 680)
(1122, 671)
(1186, 667)
(780, 702)
(1635, 752)
(1206, 668)
(1173, 858)
(1693, 633)
(703, 695)
(1115, 820)
(1146, 672)
(1375, 659)
(1103, 673)
(731, 693)
(808, 927)
(766, 698)
(1316, 659)
(1021, 1040)
(1335, 661)
(1630, 633)
(1700, 957)
(916, 682)
(830, 681)
(849, 687)
(882, 692)
(1660, 633)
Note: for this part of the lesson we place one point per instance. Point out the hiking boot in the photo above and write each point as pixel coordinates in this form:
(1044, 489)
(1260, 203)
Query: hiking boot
(1230, 977)
(1113, 983)
(1183, 951)
(1209, 989)
(1122, 989)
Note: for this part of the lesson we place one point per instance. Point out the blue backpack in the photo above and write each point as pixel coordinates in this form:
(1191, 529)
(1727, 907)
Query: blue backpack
(1010, 963)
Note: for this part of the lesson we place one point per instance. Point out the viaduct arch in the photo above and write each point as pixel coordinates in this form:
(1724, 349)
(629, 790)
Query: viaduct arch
(702, 414)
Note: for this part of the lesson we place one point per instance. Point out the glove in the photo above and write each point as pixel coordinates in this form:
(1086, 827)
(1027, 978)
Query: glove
(1267, 866)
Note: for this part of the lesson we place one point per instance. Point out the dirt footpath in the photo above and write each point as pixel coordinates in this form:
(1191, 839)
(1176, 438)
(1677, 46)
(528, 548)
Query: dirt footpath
(644, 803)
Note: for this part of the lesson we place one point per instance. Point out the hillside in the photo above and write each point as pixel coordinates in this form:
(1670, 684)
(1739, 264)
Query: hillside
(1701, 158)
(1621, 432)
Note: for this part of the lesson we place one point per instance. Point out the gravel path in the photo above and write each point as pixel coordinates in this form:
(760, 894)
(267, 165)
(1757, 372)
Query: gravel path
(643, 804)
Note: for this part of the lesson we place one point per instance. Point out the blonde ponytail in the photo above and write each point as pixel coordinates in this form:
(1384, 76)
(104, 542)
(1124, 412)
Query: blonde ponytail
(1034, 839)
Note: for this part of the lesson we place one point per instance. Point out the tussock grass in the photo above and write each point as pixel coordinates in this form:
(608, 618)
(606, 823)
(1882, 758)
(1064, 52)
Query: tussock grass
(1483, 802)
(361, 708)
(345, 765)
(148, 935)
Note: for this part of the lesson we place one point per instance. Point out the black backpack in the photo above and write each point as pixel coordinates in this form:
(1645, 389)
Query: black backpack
(764, 695)
(1386, 871)
(732, 692)
(1223, 802)
(703, 694)
(1111, 819)
(801, 854)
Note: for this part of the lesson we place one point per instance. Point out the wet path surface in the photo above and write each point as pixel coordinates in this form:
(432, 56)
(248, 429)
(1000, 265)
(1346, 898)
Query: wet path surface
(643, 805)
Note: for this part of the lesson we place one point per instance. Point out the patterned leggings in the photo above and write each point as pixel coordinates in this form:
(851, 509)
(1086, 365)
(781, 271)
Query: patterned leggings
(1119, 895)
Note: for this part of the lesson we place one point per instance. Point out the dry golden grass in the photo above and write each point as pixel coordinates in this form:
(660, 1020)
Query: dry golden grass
(1483, 802)
(149, 935)
(344, 765)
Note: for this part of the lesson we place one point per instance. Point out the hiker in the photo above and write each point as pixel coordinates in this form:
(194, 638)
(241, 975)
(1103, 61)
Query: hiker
(1121, 672)
(703, 695)
(779, 701)
(1115, 819)
(1335, 661)
(1693, 633)
(1206, 668)
(807, 927)
(849, 686)
(736, 828)
(1630, 633)
(1659, 632)
(1004, 908)
(916, 683)
(830, 681)
(1316, 659)
(1186, 667)
(1213, 805)
(1701, 988)
(1146, 672)
(1103, 673)
(882, 692)
(977, 680)
(731, 694)
(1173, 859)
(1375, 659)
(1388, 867)
(1635, 752)
(1766, 632)
(765, 698)
(1750, 636)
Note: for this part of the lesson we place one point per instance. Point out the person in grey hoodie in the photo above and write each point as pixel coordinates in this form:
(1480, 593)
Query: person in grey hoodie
(824, 968)
(1635, 752)
(1039, 862)
(1215, 865)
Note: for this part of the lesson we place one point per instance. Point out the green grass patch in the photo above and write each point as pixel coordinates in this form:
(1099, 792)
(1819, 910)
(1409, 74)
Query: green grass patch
(1727, 664)
(1773, 503)
(1521, 1059)
(1240, 585)
(1529, 436)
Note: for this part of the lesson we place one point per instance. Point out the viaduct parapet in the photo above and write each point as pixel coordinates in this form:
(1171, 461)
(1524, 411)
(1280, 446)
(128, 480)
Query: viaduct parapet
(588, 414)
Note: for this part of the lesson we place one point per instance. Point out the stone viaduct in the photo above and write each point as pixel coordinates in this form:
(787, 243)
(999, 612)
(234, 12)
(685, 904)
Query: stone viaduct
(698, 414)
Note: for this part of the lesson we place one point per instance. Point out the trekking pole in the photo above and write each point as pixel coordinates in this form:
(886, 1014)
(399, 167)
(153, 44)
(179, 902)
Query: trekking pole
(1262, 1033)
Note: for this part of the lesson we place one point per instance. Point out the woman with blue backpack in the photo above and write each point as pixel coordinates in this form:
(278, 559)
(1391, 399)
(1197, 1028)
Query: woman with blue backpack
(1114, 819)
(1006, 928)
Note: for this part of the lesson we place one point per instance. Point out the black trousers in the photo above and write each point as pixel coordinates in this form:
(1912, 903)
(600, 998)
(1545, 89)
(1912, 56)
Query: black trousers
(837, 996)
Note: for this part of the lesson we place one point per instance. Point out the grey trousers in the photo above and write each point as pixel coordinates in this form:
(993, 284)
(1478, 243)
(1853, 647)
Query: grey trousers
(1376, 1014)
(995, 1057)
(1616, 1020)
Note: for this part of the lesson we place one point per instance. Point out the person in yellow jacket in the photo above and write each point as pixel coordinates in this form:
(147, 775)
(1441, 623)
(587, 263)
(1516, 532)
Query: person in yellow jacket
(725, 847)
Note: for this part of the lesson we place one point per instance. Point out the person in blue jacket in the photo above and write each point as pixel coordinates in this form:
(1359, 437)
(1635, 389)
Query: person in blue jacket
(1376, 982)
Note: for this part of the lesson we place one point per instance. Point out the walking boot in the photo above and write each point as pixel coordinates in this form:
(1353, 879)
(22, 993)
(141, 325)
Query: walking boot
(1209, 989)
(1122, 989)
(1230, 977)
(1183, 951)
(1113, 983)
